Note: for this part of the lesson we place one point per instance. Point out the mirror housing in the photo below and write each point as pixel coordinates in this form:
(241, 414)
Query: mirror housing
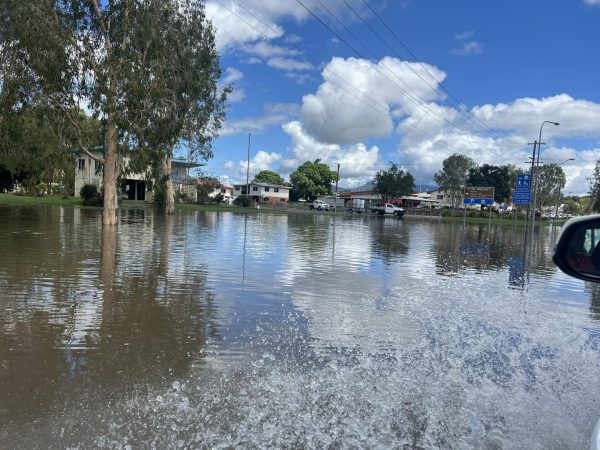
(577, 250)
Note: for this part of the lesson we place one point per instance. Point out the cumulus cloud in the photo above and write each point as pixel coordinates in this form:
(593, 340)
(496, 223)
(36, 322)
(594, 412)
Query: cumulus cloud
(358, 163)
(358, 100)
(576, 117)
(335, 125)
(228, 164)
(592, 2)
(231, 30)
(235, 25)
(262, 160)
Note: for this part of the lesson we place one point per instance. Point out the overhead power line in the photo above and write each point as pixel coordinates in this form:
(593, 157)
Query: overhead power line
(421, 102)
(458, 104)
(374, 105)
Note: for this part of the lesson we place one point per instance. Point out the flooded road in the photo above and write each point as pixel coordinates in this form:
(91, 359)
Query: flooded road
(264, 330)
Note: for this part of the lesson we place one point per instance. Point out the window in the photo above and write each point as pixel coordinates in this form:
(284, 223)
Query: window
(265, 199)
(237, 188)
(275, 189)
(97, 166)
(254, 188)
(222, 191)
(266, 189)
(440, 196)
(282, 199)
(81, 164)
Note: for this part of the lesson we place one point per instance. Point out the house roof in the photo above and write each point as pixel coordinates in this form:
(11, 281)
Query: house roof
(264, 185)
(185, 163)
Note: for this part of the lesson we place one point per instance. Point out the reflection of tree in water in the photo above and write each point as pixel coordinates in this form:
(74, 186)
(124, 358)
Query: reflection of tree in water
(390, 238)
(309, 234)
(156, 319)
(594, 291)
(152, 323)
(458, 248)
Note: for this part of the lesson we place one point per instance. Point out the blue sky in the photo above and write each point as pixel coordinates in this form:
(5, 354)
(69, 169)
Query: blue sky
(508, 66)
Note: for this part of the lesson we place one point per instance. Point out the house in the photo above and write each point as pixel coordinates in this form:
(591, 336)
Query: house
(264, 192)
(137, 186)
(444, 198)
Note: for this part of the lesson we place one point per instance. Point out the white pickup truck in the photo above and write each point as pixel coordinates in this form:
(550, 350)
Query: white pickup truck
(318, 205)
(388, 208)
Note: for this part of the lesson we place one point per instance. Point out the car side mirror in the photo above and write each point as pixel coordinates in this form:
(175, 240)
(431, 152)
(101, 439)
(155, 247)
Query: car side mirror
(577, 250)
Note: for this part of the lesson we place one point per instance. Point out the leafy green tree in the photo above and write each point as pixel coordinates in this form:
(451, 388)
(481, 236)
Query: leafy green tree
(312, 179)
(594, 180)
(393, 182)
(149, 69)
(497, 177)
(268, 176)
(454, 173)
(31, 143)
(205, 187)
(551, 180)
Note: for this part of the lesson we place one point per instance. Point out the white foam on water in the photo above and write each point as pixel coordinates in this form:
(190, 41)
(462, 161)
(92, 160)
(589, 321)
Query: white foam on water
(475, 371)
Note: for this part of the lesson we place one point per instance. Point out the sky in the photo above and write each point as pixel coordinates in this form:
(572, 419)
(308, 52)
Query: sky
(362, 83)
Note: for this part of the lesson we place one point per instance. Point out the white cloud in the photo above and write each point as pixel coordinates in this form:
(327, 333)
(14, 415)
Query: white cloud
(231, 30)
(228, 164)
(275, 114)
(262, 160)
(592, 2)
(266, 50)
(231, 76)
(577, 118)
(289, 64)
(464, 35)
(468, 48)
(358, 164)
(338, 111)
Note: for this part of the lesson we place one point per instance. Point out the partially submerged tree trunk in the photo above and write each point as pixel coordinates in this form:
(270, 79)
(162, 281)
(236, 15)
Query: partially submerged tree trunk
(111, 175)
(169, 190)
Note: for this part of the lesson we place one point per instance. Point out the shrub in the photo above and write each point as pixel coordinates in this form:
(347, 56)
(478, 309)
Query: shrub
(242, 200)
(90, 195)
(160, 195)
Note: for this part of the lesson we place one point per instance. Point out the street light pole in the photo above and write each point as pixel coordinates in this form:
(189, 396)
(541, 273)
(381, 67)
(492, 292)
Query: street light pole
(535, 193)
(559, 188)
(248, 169)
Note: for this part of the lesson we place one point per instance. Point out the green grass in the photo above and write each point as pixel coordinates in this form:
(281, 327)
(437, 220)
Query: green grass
(498, 221)
(12, 199)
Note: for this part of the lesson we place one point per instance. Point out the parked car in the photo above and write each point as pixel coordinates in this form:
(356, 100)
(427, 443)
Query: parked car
(319, 205)
(388, 208)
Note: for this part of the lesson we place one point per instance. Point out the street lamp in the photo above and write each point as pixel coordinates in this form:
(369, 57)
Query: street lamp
(535, 189)
(559, 187)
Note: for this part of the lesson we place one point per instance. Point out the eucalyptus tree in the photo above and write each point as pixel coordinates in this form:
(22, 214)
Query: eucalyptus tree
(454, 173)
(147, 68)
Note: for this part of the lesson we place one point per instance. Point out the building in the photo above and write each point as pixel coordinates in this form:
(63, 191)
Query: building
(444, 198)
(264, 192)
(136, 186)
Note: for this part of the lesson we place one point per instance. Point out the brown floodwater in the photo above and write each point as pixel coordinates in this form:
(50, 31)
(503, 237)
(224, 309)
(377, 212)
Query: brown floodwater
(302, 330)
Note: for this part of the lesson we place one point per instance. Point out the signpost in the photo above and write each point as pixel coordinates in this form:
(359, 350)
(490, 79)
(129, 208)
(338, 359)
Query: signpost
(477, 195)
(522, 194)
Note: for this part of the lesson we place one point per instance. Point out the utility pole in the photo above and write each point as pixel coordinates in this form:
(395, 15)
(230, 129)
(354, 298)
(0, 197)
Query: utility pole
(337, 179)
(248, 168)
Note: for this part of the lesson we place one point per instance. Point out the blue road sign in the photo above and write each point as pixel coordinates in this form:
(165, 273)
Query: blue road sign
(478, 201)
(523, 182)
(521, 198)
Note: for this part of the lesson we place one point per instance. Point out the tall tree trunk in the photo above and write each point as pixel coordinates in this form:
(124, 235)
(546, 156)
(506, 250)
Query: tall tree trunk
(111, 175)
(169, 190)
